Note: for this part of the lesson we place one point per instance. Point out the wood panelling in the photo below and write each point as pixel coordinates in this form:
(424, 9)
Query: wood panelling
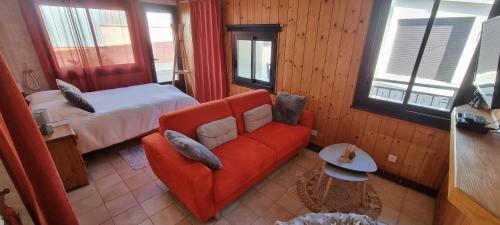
(319, 55)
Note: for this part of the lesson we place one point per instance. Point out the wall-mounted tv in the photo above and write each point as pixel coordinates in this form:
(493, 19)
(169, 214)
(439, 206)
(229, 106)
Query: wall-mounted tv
(487, 79)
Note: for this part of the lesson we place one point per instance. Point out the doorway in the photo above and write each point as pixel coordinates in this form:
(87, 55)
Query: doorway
(158, 19)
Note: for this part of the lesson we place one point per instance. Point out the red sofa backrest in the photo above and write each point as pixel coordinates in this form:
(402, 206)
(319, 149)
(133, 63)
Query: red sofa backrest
(246, 101)
(187, 120)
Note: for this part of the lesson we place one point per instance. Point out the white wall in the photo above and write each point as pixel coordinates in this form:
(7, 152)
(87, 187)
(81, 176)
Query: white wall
(15, 42)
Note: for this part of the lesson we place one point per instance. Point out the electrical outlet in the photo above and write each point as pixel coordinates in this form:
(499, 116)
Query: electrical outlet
(314, 132)
(392, 158)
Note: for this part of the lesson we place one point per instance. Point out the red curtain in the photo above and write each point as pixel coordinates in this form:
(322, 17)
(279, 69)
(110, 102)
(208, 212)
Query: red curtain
(27, 159)
(206, 28)
(92, 44)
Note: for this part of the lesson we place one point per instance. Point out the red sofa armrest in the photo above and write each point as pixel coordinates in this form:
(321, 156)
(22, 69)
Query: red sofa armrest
(189, 180)
(307, 119)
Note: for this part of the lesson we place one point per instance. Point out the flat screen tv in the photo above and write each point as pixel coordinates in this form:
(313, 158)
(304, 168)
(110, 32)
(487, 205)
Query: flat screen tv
(487, 78)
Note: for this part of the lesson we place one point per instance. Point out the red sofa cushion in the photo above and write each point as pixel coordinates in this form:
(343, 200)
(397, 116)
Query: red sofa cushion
(283, 138)
(187, 120)
(247, 101)
(242, 159)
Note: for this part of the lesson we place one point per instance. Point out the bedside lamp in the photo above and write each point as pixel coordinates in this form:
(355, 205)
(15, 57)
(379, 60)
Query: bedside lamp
(43, 120)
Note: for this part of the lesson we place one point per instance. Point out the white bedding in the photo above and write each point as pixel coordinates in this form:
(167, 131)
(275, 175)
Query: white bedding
(121, 113)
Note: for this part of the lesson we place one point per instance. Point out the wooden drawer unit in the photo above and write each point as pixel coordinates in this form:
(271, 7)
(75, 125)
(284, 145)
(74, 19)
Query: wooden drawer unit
(68, 160)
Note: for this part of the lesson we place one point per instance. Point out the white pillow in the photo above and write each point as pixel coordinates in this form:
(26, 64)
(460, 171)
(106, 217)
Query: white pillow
(217, 132)
(257, 117)
(44, 96)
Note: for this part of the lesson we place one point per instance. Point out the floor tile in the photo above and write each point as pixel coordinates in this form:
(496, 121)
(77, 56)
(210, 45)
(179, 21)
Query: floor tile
(273, 190)
(241, 215)
(291, 202)
(82, 193)
(120, 204)
(157, 203)
(119, 195)
(86, 204)
(113, 191)
(258, 202)
(95, 216)
(276, 213)
(107, 181)
(146, 222)
(137, 180)
(146, 191)
(132, 216)
(168, 216)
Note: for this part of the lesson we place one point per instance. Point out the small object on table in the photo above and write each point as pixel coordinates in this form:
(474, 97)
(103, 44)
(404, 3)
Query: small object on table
(348, 154)
(67, 158)
(355, 171)
(43, 120)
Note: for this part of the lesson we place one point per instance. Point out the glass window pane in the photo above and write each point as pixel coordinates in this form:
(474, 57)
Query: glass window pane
(244, 51)
(449, 50)
(66, 36)
(162, 43)
(263, 60)
(401, 42)
(112, 35)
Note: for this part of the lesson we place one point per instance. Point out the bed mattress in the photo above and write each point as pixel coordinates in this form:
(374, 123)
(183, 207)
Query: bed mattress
(121, 113)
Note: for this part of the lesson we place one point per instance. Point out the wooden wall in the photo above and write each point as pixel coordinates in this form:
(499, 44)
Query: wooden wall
(319, 53)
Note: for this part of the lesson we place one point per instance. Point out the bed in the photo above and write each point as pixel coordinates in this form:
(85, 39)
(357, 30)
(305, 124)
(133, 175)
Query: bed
(121, 114)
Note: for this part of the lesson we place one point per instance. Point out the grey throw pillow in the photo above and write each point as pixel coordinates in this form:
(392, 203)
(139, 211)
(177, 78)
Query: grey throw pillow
(288, 108)
(77, 100)
(192, 149)
(67, 86)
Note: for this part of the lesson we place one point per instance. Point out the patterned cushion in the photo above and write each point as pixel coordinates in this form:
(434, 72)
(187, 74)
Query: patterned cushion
(257, 117)
(331, 218)
(67, 86)
(288, 108)
(192, 149)
(217, 132)
(77, 100)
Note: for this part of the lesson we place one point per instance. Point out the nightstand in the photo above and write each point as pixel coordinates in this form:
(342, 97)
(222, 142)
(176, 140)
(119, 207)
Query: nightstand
(68, 160)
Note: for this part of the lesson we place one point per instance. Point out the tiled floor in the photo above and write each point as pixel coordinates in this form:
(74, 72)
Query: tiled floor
(120, 195)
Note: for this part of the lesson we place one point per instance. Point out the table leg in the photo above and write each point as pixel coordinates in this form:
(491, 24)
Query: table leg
(321, 174)
(328, 185)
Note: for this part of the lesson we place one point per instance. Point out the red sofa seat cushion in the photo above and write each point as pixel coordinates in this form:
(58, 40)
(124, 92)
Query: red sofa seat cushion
(283, 138)
(247, 101)
(242, 159)
(187, 120)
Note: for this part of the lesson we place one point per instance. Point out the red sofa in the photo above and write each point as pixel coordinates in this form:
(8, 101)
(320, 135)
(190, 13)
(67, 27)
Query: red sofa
(245, 160)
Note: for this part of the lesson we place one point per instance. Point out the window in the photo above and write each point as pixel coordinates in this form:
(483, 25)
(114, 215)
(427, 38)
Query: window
(86, 36)
(254, 55)
(416, 56)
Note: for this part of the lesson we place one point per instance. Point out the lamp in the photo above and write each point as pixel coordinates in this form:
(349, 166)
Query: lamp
(43, 120)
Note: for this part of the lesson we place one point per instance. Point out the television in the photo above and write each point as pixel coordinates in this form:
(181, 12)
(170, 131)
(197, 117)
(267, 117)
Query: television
(487, 78)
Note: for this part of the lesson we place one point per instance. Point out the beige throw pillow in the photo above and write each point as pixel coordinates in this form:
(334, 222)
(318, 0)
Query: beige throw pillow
(257, 117)
(217, 132)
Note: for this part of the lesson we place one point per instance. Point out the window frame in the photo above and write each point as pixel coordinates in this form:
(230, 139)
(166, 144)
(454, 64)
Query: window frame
(255, 32)
(87, 8)
(408, 112)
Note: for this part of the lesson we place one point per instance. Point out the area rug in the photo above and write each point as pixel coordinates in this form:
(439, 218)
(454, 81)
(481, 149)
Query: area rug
(135, 156)
(343, 196)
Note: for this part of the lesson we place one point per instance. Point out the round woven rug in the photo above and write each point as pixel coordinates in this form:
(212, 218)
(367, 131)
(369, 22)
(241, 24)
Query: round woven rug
(342, 197)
